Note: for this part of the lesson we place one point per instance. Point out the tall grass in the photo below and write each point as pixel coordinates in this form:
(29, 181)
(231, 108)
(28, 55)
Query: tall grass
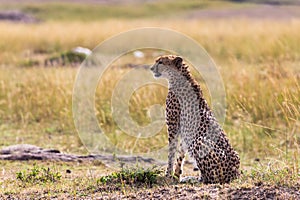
(244, 40)
(258, 60)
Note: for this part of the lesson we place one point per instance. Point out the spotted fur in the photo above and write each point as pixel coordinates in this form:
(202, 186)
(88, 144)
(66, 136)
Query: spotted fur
(189, 118)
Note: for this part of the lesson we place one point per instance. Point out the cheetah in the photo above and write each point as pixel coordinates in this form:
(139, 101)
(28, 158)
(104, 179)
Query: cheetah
(189, 118)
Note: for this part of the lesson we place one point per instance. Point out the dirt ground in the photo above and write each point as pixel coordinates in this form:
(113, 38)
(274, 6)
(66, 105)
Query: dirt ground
(165, 190)
(217, 192)
(181, 191)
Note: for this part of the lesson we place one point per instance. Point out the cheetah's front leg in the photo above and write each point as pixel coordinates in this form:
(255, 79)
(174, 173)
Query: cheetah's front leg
(180, 161)
(173, 141)
(173, 121)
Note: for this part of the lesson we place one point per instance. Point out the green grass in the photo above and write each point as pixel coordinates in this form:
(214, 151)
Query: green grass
(39, 178)
(62, 11)
(87, 11)
(269, 175)
(134, 177)
(38, 175)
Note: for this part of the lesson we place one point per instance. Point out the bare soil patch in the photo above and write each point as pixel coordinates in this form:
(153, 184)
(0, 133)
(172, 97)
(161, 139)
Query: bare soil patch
(174, 192)
(217, 192)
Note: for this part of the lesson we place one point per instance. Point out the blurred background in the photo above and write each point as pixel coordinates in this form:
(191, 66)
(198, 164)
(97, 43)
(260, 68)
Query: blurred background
(255, 44)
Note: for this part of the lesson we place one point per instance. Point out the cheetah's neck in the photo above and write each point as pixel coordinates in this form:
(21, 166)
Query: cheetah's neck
(184, 85)
(188, 92)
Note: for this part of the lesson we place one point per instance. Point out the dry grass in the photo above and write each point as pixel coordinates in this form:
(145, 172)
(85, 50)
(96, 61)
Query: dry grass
(258, 60)
(254, 63)
(245, 40)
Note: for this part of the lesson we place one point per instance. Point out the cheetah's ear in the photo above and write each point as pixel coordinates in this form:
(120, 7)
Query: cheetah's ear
(177, 61)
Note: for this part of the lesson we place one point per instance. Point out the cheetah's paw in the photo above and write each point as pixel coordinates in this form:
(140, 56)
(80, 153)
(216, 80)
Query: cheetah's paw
(190, 179)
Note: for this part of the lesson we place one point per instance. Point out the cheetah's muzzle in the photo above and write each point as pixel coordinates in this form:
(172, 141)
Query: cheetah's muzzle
(154, 69)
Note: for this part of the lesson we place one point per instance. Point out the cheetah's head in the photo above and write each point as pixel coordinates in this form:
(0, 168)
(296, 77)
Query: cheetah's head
(168, 66)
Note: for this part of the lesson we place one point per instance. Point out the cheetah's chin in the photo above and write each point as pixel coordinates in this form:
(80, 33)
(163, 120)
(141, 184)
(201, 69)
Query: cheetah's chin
(156, 75)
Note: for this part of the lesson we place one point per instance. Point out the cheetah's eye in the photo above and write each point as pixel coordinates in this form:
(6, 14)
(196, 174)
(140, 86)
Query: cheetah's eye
(160, 62)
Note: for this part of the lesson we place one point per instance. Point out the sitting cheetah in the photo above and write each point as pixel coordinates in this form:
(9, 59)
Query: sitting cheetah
(189, 116)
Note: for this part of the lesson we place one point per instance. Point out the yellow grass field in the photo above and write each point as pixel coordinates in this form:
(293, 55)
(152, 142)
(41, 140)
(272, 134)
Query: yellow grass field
(259, 61)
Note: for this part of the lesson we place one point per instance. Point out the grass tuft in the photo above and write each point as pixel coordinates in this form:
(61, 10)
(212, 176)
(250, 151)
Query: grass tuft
(38, 175)
(136, 176)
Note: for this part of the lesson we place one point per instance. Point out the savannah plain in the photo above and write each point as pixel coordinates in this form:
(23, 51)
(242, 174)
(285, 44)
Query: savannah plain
(256, 48)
